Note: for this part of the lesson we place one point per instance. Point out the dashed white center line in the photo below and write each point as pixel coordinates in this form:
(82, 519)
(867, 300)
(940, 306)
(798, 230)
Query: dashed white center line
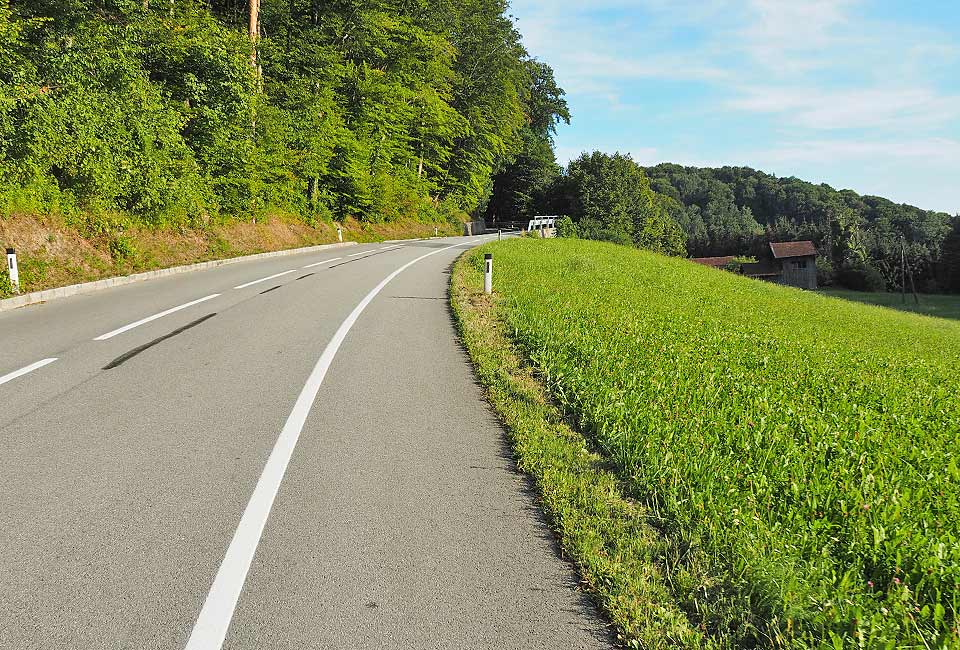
(213, 622)
(310, 266)
(20, 373)
(269, 277)
(387, 248)
(360, 253)
(142, 321)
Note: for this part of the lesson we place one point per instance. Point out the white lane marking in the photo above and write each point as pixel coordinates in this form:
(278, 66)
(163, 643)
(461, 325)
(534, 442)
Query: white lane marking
(269, 277)
(310, 266)
(388, 248)
(360, 253)
(125, 328)
(211, 627)
(20, 373)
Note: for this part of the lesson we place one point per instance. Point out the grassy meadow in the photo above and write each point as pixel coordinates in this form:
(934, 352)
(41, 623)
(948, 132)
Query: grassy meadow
(730, 463)
(939, 305)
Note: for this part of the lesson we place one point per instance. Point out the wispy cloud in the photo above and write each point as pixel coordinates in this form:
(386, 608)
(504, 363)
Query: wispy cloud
(897, 108)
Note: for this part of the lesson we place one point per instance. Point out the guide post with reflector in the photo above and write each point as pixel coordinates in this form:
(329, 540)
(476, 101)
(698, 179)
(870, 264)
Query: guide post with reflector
(488, 273)
(13, 271)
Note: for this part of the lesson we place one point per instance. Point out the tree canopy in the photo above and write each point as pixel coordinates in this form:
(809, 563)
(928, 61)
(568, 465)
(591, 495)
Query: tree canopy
(372, 108)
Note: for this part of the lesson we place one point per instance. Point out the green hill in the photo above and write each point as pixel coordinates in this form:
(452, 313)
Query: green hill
(793, 457)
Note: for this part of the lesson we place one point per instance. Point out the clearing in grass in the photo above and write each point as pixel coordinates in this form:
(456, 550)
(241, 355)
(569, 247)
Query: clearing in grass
(793, 457)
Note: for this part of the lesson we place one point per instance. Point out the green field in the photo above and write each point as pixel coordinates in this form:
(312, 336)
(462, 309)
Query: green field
(797, 457)
(942, 306)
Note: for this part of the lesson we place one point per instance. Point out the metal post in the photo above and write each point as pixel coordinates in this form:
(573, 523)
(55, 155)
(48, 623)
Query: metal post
(339, 233)
(488, 273)
(903, 272)
(14, 271)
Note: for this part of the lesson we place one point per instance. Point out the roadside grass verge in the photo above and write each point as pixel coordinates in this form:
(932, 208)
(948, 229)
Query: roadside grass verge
(756, 466)
(607, 536)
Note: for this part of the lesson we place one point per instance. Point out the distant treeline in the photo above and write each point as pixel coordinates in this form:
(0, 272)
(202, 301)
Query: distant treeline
(738, 210)
(173, 110)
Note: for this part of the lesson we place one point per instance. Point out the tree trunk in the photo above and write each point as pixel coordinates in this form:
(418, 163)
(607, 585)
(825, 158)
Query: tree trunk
(254, 30)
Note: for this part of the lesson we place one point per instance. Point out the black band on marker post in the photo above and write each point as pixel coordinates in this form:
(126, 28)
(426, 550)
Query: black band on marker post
(10, 251)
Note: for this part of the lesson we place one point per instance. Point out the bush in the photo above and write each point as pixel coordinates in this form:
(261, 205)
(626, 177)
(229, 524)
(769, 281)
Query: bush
(860, 277)
(6, 289)
(825, 272)
(566, 228)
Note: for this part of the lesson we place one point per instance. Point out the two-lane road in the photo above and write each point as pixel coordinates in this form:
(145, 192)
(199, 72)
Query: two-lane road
(281, 453)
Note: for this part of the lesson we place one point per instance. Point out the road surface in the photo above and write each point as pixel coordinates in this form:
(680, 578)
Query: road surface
(280, 453)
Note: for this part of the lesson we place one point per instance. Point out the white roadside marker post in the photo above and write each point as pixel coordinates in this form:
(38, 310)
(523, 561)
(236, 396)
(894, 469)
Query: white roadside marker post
(339, 233)
(14, 271)
(436, 231)
(499, 234)
(488, 273)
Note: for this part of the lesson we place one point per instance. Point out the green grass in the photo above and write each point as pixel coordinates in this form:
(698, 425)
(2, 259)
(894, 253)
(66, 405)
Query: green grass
(791, 460)
(942, 306)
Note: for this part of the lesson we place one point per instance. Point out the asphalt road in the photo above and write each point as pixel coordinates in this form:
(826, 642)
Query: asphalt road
(301, 462)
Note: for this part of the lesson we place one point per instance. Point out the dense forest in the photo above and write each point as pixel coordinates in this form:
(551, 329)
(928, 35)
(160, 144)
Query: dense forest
(176, 111)
(861, 239)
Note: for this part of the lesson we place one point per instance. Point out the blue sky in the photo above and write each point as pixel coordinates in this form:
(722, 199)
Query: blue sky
(860, 94)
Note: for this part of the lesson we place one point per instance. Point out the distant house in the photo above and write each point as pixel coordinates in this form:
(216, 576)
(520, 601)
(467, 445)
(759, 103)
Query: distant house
(792, 263)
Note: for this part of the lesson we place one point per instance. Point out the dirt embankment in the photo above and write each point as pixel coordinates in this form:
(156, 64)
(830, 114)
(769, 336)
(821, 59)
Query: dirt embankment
(52, 252)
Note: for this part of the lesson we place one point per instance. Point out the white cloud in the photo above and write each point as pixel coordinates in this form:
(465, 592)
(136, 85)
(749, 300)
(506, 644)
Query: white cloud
(931, 150)
(859, 108)
(793, 36)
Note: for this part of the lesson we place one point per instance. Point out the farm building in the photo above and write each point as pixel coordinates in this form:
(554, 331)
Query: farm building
(797, 261)
(792, 263)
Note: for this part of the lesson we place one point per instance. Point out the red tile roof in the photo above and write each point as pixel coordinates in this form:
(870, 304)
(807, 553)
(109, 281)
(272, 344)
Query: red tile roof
(716, 262)
(792, 249)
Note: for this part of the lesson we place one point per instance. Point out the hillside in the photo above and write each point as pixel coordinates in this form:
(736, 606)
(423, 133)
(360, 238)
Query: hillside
(768, 466)
(736, 210)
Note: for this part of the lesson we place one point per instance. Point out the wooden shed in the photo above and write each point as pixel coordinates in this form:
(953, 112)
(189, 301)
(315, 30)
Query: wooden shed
(797, 261)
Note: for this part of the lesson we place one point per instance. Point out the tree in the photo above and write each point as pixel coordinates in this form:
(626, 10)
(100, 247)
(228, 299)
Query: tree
(521, 188)
(610, 199)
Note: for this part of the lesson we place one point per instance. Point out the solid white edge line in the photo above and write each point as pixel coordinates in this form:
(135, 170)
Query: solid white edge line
(310, 266)
(269, 277)
(212, 624)
(126, 328)
(20, 373)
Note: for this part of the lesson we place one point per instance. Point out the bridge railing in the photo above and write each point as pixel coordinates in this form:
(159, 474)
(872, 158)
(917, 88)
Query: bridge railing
(539, 223)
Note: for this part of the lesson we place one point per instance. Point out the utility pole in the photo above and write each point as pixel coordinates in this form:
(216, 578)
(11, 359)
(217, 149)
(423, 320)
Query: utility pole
(254, 37)
(903, 272)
